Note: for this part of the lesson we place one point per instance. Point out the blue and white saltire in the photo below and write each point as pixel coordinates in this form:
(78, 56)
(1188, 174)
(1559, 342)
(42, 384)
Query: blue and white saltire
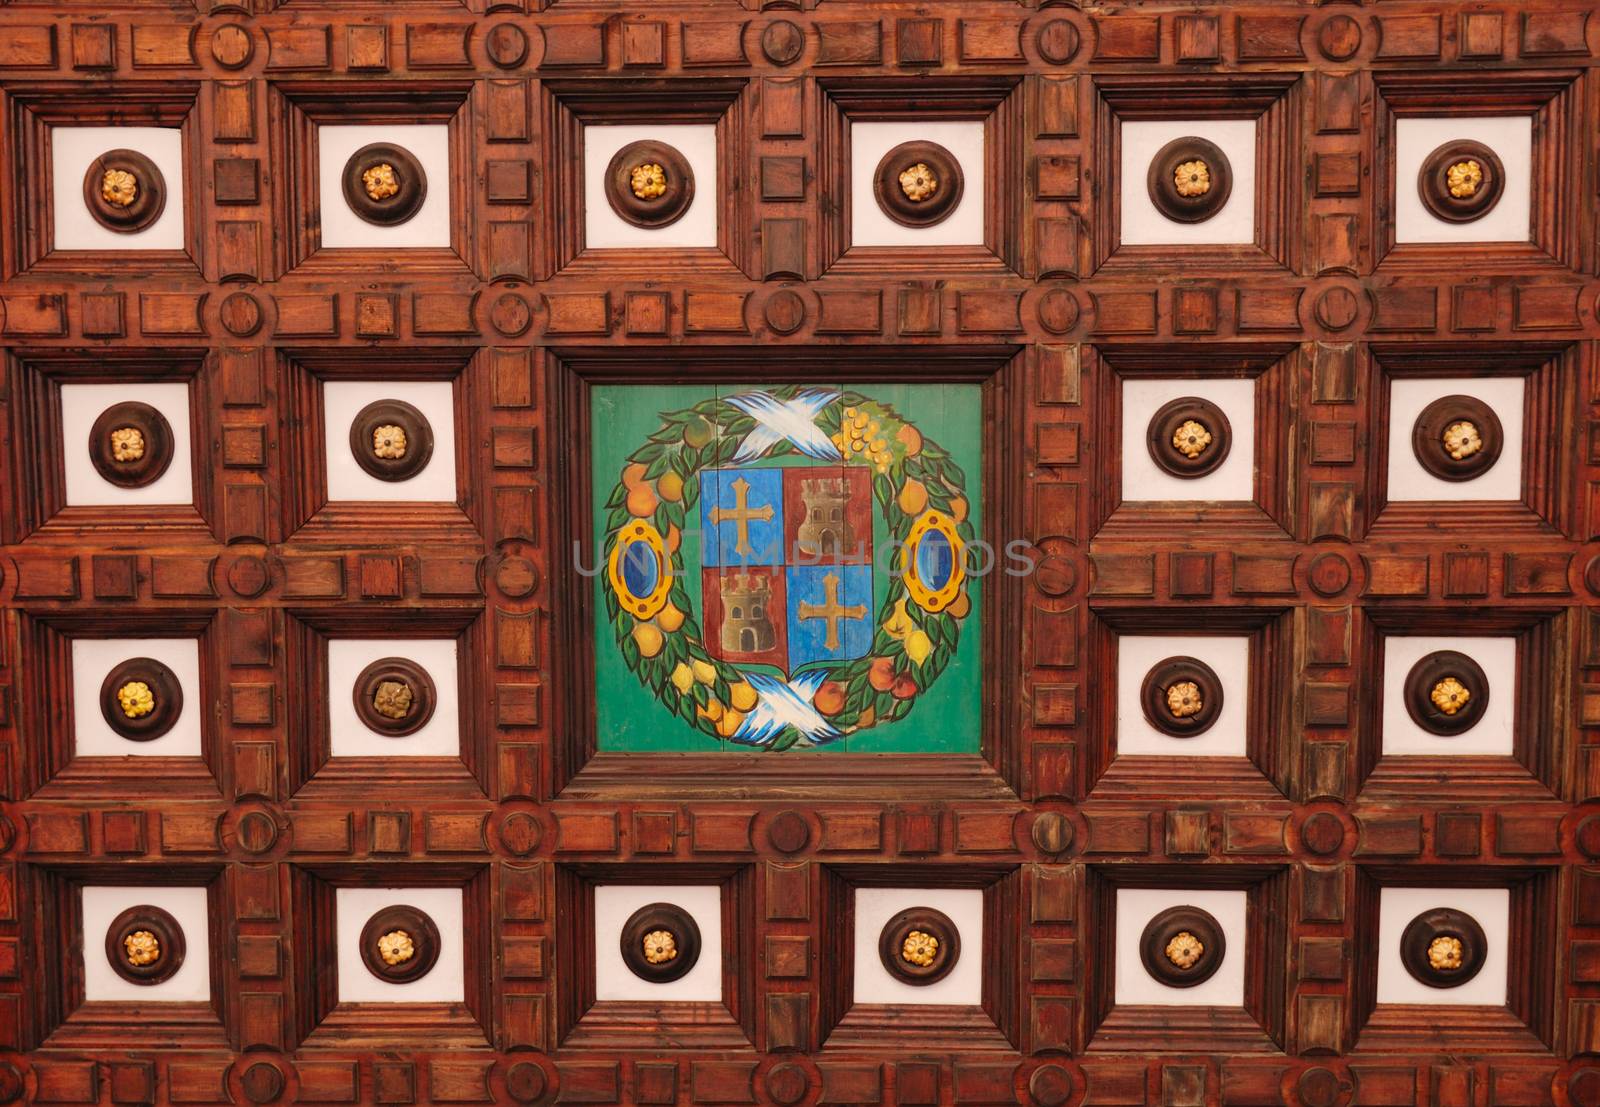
(794, 419)
(782, 706)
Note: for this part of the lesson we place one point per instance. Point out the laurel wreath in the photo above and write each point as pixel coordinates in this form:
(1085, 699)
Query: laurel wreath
(667, 653)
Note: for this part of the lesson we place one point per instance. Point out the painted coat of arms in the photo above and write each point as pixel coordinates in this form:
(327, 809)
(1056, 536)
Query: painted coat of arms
(783, 566)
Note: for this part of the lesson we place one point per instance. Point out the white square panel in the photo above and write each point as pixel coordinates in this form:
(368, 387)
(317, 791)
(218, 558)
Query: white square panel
(1490, 735)
(1144, 225)
(1491, 907)
(604, 229)
(1135, 986)
(1509, 136)
(614, 904)
(93, 658)
(876, 906)
(73, 150)
(1408, 480)
(190, 984)
(444, 983)
(429, 143)
(1229, 658)
(870, 141)
(81, 405)
(350, 737)
(1143, 479)
(342, 401)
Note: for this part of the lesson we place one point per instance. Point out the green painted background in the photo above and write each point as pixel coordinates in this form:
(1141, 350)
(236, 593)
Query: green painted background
(944, 718)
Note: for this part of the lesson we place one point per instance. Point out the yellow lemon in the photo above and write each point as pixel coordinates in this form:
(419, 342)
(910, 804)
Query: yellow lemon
(866, 719)
(742, 696)
(918, 646)
(705, 672)
(682, 678)
(898, 624)
(647, 638)
(669, 619)
(729, 724)
(712, 710)
(913, 497)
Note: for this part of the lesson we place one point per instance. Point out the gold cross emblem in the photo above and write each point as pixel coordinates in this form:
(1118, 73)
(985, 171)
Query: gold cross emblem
(831, 610)
(741, 514)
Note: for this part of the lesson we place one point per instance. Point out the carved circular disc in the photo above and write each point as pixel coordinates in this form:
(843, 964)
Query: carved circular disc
(789, 832)
(672, 961)
(1162, 180)
(150, 195)
(153, 444)
(1443, 922)
(1165, 929)
(919, 920)
(782, 42)
(506, 44)
(1171, 418)
(409, 177)
(1433, 670)
(1057, 41)
(676, 185)
(1154, 696)
(262, 1082)
(416, 452)
(525, 1082)
(417, 926)
(1433, 181)
(164, 689)
(378, 679)
(168, 936)
(1435, 422)
(947, 179)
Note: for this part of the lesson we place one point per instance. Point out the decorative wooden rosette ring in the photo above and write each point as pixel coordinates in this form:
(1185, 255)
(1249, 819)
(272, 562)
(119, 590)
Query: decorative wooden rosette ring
(1189, 437)
(386, 197)
(124, 191)
(131, 444)
(1461, 181)
(391, 440)
(1443, 947)
(1446, 693)
(649, 184)
(1181, 697)
(400, 944)
(141, 699)
(660, 942)
(395, 697)
(918, 184)
(1182, 946)
(1190, 179)
(145, 945)
(1457, 438)
(919, 946)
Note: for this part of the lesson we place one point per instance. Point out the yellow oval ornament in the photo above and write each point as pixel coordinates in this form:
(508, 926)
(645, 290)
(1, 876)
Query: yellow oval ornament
(930, 561)
(640, 570)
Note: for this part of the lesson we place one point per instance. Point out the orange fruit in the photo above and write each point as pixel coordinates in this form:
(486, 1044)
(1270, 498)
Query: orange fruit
(904, 687)
(911, 438)
(829, 699)
(880, 674)
(913, 497)
(642, 501)
(633, 475)
(670, 487)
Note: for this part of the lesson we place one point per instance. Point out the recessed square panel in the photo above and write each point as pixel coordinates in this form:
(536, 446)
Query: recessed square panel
(1143, 224)
(93, 659)
(445, 982)
(869, 142)
(615, 904)
(875, 907)
(428, 143)
(1409, 480)
(1491, 735)
(1136, 907)
(350, 736)
(102, 904)
(1510, 137)
(81, 407)
(1490, 908)
(604, 229)
(74, 149)
(1228, 658)
(344, 400)
(1232, 479)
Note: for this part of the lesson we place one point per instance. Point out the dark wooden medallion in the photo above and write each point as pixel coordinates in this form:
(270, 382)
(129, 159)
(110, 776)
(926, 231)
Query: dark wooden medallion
(1443, 947)
(1182, 946)
(1181, 697)
(918, 184)
(141, 699)
(124, 191)
(1189, 437)
(144, 945)
(384, 184)
(1446, 693)
(400, 944)
(131, 444)
(395, 696)
(660, 942)
(649, 184)
(919, 946)
(391, 440)
(1457, 438)
(1190, 179)
(1461, 181)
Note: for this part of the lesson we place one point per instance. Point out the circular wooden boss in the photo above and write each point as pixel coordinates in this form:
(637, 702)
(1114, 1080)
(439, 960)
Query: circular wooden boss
(892, 939)
(1427, 437)
(164, 687)
(1164, 425)
(1433, 182)
(424, 939)
(685, 937)
(1443, 922)
(1169, 924)
(1429, 671)
(424, 696)
(151, 425)
(1161, 180)
(1176, 670)
(654, 211)
(148, 202)
(169, 940)
(902, 208)
(419, 439)
(409, 175)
